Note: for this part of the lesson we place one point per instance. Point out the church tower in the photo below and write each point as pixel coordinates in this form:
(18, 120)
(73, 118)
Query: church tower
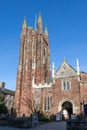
(34, 63)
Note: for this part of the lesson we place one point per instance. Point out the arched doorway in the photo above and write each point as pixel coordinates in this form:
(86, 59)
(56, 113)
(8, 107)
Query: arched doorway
(67, 109)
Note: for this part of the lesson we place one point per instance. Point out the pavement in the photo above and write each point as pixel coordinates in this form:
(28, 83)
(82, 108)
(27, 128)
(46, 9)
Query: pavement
(49, 126)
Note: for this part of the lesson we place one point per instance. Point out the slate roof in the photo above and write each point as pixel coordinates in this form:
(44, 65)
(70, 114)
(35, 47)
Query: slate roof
(7, 91)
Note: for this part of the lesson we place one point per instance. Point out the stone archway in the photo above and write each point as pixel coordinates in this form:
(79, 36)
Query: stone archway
(67, 109)
(65, 102)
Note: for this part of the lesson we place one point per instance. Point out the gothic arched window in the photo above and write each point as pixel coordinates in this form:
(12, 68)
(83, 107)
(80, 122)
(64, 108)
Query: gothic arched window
(44, 52)
(47, 102)
(66, 85)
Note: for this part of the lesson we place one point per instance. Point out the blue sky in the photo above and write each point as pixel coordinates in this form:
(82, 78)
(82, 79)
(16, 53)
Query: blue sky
(67, 26)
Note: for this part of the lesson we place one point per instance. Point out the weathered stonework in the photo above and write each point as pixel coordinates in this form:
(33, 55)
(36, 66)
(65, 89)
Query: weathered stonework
(34, 62)
(66, 89)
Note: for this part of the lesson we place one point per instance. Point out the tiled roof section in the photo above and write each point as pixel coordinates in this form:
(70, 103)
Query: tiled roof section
(11, 92)
(7, 91)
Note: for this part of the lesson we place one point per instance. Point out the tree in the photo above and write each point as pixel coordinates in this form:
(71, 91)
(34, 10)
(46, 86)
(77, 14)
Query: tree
(29, 101)
(2, 97)
(3, 108)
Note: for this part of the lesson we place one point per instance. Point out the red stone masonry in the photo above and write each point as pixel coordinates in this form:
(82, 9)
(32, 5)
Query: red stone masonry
(34, 62)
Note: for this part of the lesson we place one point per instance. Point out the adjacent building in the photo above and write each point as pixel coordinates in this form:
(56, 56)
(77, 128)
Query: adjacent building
(8, 96)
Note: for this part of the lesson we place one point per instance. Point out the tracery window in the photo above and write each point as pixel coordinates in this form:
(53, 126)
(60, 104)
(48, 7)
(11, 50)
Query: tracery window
(45, 53)
(47, 102)
(66, 85)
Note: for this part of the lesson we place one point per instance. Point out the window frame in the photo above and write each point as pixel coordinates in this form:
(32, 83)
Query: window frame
(47, 103)
(66, 85)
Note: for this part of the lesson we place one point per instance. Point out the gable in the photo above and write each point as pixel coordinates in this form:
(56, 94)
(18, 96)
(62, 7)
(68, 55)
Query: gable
(65, 70)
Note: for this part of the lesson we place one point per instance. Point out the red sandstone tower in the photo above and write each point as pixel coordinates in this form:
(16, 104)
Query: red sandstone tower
(34, 64)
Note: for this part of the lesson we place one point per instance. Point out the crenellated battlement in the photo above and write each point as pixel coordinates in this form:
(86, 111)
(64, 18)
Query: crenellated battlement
(45, 85)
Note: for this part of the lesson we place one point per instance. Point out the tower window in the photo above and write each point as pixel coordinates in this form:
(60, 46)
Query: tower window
(44, 52)
(66, 85)
(44, 55)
